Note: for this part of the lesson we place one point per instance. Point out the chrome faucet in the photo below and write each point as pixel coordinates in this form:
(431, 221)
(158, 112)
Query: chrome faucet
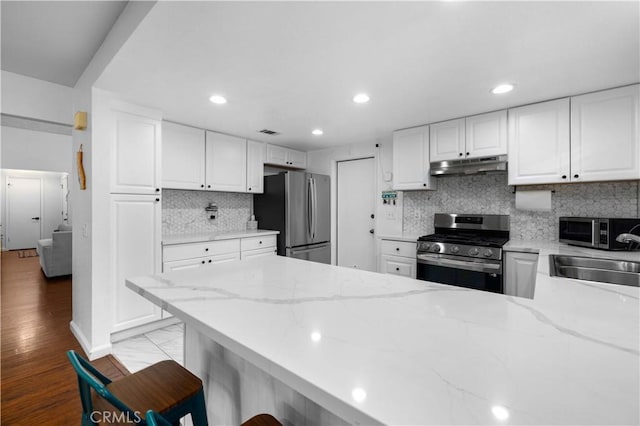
(629, 237)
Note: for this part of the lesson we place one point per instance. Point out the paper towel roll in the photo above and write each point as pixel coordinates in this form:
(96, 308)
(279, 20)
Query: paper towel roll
(533, 200)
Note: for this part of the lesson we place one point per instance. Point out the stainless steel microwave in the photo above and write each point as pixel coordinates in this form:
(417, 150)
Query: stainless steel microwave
(597, 232)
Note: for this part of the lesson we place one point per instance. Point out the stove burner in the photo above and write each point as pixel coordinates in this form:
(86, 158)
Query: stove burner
(466, 239)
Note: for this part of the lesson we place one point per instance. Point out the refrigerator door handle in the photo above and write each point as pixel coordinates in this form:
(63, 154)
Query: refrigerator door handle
(309, 209)
(315, 208)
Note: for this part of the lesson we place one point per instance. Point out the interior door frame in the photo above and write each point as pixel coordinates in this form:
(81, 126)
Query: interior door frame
(10, 176)
(334, 201)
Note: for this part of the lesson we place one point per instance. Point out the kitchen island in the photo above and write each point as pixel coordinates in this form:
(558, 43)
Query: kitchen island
(320, 344)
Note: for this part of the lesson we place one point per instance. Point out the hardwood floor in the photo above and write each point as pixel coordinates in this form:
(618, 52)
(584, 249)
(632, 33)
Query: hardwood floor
(38, 385)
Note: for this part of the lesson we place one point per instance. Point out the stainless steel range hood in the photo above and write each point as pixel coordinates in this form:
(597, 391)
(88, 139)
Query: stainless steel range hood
(470, 167)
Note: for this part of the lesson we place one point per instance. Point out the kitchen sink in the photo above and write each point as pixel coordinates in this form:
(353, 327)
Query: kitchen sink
(610, 271)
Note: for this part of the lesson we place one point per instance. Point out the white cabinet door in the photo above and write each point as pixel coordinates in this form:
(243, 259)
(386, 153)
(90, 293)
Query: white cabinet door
(486, 135)
(226, 165)
(398, 266)
(447, 140)
(179, 265)
(136, 154)
(539, 143)
(135, 251)
(269, 251)
(276, 155)
(411, 159)
(605, 142)
(182, 157)
(520, 274)
(297, 159)
(256, 153)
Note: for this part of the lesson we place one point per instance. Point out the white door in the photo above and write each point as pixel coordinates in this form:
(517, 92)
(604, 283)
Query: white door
(356, 207)
(135, 251)
(605, 143)
(447, 140)
(226, 166)
(539, 143)
(24, 221)
(182, 157)
(486, 135)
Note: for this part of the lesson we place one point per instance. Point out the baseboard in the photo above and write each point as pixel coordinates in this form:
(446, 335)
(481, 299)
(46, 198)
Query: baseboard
(92, 353)
(141, 329)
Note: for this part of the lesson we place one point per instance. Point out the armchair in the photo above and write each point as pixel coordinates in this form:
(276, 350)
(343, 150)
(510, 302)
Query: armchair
(55, 252)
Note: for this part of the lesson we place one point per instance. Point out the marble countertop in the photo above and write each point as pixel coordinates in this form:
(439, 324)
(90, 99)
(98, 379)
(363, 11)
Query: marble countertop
(386, 349)
(168, 240)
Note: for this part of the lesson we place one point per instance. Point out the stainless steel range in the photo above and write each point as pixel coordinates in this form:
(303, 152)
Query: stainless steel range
(465, 251)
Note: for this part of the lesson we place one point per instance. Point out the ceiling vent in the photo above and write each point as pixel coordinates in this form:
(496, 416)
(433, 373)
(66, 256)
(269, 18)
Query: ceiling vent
(268, 132)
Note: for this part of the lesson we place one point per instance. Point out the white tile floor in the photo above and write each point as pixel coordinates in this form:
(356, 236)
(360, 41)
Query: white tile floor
(141, 351)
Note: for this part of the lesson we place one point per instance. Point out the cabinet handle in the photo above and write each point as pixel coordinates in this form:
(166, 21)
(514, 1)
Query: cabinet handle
(208, 186)
(259, 242)
(203, 262)
(397, 269)
(460, 154)
(202, 186)
(209, 260)
(576, 176)
(397, 248)
(157, 189)
(249, 188)
(467, 154)
(564, 176)
(157, 199)
(424, 184)
(206, 249)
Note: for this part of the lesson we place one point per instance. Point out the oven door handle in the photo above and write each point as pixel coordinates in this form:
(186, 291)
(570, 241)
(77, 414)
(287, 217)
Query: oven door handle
(461, 264)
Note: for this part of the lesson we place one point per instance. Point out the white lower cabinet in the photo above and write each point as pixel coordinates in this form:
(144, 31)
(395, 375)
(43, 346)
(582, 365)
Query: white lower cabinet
(135, 251)
(520, 273)
(258, 246)
(267, 251)
(398, 258)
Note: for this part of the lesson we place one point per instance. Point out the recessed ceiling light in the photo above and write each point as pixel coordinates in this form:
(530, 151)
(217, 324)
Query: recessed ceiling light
(361, 98)
(317, 132)
(500, 412)
(502, 88)
(217, 99)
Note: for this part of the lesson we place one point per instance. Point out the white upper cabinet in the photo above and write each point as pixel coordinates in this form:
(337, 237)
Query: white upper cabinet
(411, 159)
(136, 153)
(605, 142)
(226, 163)
(539, 143)
(447, 140)
(182, 157)
(483, 135)
(290, 158)
(256, 154)
(486, 135)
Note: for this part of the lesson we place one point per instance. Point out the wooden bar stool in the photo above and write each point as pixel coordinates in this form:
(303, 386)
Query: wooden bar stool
(165, 387)
(155, 419)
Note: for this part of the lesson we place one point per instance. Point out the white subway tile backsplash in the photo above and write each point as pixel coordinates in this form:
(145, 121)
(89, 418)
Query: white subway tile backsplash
(183, 211)
(490, 194)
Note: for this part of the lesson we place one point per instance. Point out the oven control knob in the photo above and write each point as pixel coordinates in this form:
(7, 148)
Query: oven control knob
(488, 253)
(435, 248)
(474, 252)
(455, 249)
(425, 246)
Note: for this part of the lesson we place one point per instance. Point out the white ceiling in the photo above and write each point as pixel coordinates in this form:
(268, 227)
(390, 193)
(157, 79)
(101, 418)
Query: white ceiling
(294, 66)
(54, 40)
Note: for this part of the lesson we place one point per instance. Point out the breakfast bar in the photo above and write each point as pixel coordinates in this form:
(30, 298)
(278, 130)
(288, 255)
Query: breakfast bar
(318, 344)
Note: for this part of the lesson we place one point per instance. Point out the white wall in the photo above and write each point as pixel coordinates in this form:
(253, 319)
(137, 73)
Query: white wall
(29, 97)
(325, 162)
(90, 314)
(51, 200)
(33, 150)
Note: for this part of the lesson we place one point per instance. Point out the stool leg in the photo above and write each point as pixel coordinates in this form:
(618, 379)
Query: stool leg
(199, 410)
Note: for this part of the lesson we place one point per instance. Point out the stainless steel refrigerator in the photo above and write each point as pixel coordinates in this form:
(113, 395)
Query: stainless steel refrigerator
(297, 204)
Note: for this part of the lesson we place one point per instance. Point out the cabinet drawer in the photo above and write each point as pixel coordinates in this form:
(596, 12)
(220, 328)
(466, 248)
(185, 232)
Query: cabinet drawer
(209, 248)
(398, 248)
(399, 266)
(257, 242)
(268, 251)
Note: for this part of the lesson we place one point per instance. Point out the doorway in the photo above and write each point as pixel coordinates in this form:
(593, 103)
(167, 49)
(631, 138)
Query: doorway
(356, 188)
(24, 211)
